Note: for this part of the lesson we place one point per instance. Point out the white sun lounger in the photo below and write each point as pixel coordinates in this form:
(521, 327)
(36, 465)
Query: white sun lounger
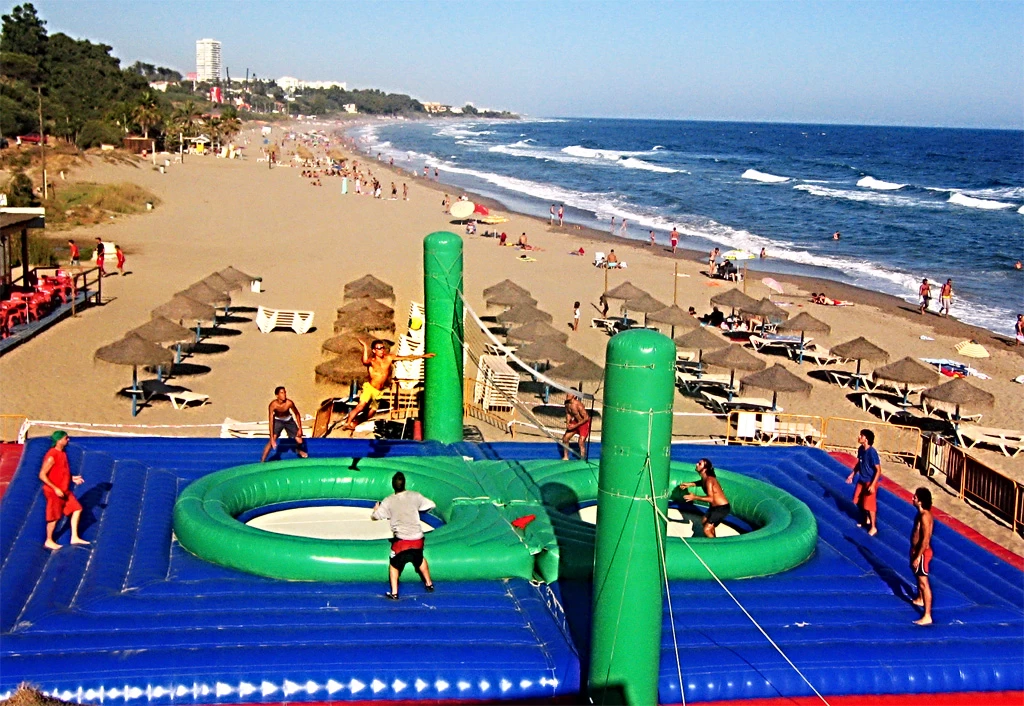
(269, 319)
(886, 410)
(1009, 441)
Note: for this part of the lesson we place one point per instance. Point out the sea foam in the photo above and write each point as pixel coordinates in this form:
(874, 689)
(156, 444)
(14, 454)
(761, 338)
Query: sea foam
(879, 185)
(970, 202)
(763, 177)
(634, 163)
(866, 196)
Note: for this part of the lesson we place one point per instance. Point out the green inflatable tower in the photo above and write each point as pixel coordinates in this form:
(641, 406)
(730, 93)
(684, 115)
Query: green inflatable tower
(442, 389)
(635, 449)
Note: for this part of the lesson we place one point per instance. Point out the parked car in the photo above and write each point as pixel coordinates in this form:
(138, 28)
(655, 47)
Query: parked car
(33, 138)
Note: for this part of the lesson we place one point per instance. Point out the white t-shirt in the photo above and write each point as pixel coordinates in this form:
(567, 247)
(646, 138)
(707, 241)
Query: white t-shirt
(402, 511)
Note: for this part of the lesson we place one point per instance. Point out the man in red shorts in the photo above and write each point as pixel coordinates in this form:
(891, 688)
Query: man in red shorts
(402, 511)
(868, 472)
(55, 474)
(577, 421)
(921, 553)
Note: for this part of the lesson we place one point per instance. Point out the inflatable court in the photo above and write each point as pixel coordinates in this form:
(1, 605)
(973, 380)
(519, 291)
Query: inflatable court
(138, 618)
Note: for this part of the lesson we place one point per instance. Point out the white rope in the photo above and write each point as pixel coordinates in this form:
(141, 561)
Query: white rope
(102, 428)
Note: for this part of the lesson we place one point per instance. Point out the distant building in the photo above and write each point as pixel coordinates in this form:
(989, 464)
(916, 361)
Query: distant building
(159, 85)
(349, 108)
(456, 111)
(435, 107)
(208, 60)
(291, 84)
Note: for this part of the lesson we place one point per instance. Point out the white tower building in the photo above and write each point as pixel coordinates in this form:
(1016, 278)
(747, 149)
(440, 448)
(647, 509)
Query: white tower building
(208, 60)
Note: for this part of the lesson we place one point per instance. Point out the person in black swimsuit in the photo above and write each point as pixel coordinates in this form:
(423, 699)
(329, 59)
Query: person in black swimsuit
(284, 416)
(718, 504)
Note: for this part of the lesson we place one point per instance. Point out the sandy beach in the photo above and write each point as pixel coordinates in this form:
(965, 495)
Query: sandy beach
(307, 241)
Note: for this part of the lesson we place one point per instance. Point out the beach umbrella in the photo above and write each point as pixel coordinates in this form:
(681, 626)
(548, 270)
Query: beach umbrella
(232, 275)
(960, 393)
(777, 379)
(738, 255)
(971, 349)
(523, 314)
(859, 349)
(734, 358)
(161, 330)
(342, 370)
(134, 350)
(364, 322)
(535, 331)
(480, 210)
(645, 304)
(700, 339)
(366, 304)
(546, 349)
(907, 371)
(673, 316)
(626, 290)
(347, 344)
(734, 299)
(804, 322)
(578, 370)
(511, 298)
(182, 308)
(506, 285)
(221, 284)
(772, 284)
(461, 210)
(369, 286)
(765, 309)
(204, 293)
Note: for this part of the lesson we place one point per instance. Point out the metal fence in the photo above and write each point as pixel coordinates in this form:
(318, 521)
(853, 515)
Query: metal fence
(892, 441)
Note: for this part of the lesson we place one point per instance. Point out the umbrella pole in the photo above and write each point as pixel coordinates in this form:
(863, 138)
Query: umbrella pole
(135, 387)
(197, 332)
(160, 373)
(700, 362)
(856, 377)
(732, 380)
(801, 360)
(177, 354)
(775, 401)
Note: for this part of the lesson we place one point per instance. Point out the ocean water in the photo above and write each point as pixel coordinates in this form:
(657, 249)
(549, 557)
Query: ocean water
(909, 202)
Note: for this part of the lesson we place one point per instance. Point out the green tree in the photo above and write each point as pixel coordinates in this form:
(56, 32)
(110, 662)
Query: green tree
(230, 124)
(187, 116)
(147, 112)
(19, 191)
(23, 32)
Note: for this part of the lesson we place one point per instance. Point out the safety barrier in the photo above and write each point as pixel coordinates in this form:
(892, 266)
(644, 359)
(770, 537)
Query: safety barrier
(10, 426)
(766, 428)
(976, 481)
(474, 410)
(892, 441)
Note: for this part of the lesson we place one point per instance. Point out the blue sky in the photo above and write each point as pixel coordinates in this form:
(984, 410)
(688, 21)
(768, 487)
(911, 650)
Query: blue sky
(890, 63)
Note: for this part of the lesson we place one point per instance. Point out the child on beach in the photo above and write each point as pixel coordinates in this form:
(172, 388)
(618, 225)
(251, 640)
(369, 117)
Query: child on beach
(119, 253)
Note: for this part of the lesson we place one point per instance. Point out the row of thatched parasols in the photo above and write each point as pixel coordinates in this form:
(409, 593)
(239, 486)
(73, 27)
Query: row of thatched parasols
(362, 315)
(146, 345)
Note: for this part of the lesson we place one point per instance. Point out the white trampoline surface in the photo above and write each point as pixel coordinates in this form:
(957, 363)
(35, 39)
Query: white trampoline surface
(326, 522)
(680, 524)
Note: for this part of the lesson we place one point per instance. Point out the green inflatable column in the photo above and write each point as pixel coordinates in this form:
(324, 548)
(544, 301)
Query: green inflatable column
(442, 388)
(635, 448)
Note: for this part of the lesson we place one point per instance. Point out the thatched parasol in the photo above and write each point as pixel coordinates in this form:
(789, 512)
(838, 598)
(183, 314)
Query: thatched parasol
(765, 309)
(369, 286)
(578, 370)
(777, 379)
(644, 303)
(523, 314)
(366, 304)
(181, 308)
(859, 349)
(673, 316)
(535, 331)
(221, 284)
(240, 278)
(344, 345)
(510, 298)
(364, 322)
(342, 370)
(626, 290)
(504, 286)
(804, 322)
(960, 393)
(204, 293)
(547, 349)
(161, 330)
(734, 358)
(734, 299)
(134, 350)
(700, 339)
(907, 371)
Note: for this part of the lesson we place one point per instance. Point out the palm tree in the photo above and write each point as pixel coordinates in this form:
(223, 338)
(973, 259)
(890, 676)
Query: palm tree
(187, 116)
(229, 122)
(147, 112)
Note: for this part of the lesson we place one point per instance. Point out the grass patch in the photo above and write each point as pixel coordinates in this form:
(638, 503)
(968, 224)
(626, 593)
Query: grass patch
(85, 203)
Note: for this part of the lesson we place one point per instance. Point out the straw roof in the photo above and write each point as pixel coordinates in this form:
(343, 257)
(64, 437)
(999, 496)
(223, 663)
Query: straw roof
(733, 299)
(734, 357)
(579, 369)
(626, 290)
(202, 292)
(765, 309)
(161, 330)
(134, 350)
(366, 304)
(534, 331)
(510, 298)
(506, 285)
(700, 339)
(805, 322)
(777, 379)
(221, 284)
(364, 322)
(182, 308)
(673, 316)
(523, 314)
(859, 348)
(369, 286)
(343, 345)
(549, 349)
(907, 370)
(961, 393)
(232, 275)
(342, 370)
(644, 303)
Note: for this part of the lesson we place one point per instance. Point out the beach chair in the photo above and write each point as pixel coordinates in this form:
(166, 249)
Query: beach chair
(181, 400)
(886, 410)
(600, 260)
(943, 414)
(1009, 441)
(821, 358)
(769, 431)
(269, 319)
(692, 384)
(746, 426)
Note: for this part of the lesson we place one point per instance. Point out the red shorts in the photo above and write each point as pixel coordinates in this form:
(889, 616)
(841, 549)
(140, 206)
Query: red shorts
(57, 508)
(868, 502)
(583, 430)
(921, 568)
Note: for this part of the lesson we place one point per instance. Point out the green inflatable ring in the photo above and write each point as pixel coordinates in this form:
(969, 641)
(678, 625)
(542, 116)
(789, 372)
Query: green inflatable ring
(478, 501)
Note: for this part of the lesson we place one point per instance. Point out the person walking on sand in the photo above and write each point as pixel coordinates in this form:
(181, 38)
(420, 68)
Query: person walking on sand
(119, 254)
(946, 297)
(561, 215)
(75, 254)
(1018, 330)
(867, 472)
(674, 239)
(718, 504)
(100, 257)
(921, 553)
(612, 231)
(577, 422)
(379, 363)
(284, 416)
(650, 234)
(405, 191)
(925, 291)
(576, 316)
(551, 217)
(622, 228)
(402, 511)
(55, 474)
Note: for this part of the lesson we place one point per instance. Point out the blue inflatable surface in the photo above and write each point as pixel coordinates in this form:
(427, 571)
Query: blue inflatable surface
(135, 618)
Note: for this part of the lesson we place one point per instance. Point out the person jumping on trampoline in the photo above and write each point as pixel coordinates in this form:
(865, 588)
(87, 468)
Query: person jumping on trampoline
(284, 416)
(55, 474)
(718, 504)
(868, 472)
(402, 511)
(921, 553)
(379, 363)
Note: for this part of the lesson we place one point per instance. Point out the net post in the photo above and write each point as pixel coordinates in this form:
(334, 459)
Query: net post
(635, 454)
(442, 387)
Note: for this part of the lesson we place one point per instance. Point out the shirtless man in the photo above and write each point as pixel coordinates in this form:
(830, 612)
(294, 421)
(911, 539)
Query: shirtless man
(674, 239)
(577, 421)
(379, 363)
(921, 553)
(718, 504)
(612, 260)
(925, 292)
(284, 416)
(946, 297)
